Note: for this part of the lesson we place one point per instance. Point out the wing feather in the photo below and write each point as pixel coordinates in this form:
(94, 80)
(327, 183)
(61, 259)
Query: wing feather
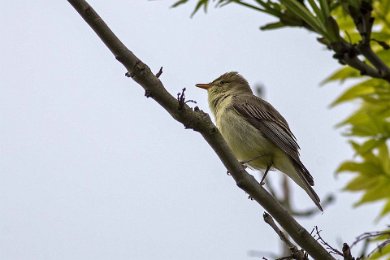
(271, 123)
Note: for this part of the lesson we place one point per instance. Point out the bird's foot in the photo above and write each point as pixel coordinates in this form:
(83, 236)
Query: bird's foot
(244, 164)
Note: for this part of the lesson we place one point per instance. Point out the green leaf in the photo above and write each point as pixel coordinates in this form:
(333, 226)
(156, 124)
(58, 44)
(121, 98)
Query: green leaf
(354, 92)
(333, 29)
(201, 3)
(378, 192)
(179, 3)
(369, 145)
(365, 168)
(385, 209)
(384, 158)
(325, 8)
(384, 55)
(348, 166)
(342, 75)
(361, 182)
(380, 253)
(300, 11)
(272, 26)
(317, 10)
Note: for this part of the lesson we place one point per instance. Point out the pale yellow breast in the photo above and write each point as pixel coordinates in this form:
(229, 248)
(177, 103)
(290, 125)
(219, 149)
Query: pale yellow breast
(246, 142)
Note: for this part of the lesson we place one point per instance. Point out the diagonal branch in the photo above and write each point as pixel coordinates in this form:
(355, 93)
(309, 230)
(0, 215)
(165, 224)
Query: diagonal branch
(200, 122)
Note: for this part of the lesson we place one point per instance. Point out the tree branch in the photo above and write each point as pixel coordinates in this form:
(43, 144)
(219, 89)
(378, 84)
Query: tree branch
(200, 122)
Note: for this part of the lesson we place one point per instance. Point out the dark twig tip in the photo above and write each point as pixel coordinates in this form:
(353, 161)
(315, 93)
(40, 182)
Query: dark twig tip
(158, 74)
(347, 252)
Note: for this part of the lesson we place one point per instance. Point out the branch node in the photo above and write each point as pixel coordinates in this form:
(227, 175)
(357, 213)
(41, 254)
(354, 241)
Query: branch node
(181, 98)
(242, 183)
(148, 93)
(119, 58)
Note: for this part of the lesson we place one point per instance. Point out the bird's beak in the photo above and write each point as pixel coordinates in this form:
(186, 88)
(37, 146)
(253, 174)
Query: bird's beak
(204, 86)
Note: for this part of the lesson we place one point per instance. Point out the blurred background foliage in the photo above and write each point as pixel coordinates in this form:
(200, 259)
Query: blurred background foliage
(358, 34)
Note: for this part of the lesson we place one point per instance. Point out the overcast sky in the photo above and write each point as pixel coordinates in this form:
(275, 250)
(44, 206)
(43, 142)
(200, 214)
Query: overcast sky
(91, 169)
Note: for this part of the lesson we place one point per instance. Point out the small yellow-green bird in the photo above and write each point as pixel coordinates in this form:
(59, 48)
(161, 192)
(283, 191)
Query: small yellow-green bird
(255, 131)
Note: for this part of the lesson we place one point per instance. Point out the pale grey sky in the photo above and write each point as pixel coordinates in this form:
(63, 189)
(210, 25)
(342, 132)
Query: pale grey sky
(91, 169)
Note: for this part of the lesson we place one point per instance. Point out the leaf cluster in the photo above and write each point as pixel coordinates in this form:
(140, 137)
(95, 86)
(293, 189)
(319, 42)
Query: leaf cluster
(368, 128)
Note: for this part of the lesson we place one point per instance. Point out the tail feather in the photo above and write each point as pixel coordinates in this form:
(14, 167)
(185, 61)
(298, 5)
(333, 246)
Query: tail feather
(299, 174)
(302, 169)
(304, 184)
(312, 194)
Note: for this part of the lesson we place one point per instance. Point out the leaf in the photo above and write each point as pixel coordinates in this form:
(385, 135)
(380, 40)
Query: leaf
(348, 166)
(179, 3)
(359, 117)
(378, 192)
(368, 122)
(365, 168)
(333, 29)
(354, 92)
(324, 6)
(272, 26)
(381, 253)
(369, 145)
(384, 55)
(385, 209)
(300, 11)
(201, 3)
(384, 158)
(317, 10)
(342, 75)
(361, 182)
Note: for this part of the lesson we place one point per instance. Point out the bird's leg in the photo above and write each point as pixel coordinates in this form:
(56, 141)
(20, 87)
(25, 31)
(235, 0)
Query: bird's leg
(265, 174)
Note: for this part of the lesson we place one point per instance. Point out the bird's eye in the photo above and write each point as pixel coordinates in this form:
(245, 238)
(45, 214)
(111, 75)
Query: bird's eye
(222, 82)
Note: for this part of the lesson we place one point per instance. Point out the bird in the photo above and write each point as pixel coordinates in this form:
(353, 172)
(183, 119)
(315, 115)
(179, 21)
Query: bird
(255, 131)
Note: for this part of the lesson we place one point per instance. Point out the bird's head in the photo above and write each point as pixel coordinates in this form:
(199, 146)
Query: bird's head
(230, 83)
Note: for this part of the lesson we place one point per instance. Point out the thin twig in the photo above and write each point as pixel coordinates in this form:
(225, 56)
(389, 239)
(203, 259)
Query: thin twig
(368, 235)
(328, 246)
(295, 252)
(380, 247)
(158, 74)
